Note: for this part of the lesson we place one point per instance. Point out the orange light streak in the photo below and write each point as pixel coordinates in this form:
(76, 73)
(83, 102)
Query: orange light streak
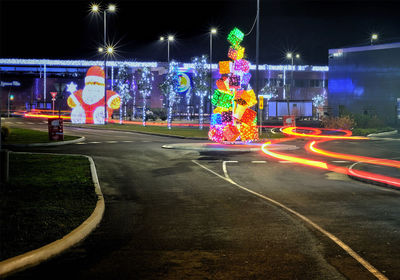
(378, 161)
(311, 146)
(290, 131)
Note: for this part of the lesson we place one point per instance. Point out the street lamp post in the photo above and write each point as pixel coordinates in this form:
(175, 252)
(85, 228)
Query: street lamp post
(170, 38)
(291, 57)
(374, 37)
(108, 50)
(212, 32)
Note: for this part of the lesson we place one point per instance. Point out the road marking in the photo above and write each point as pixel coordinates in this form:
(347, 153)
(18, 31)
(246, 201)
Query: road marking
(224, 168)
(30, 123)
(340, 243)
(94, 142)
(340, 161)
(258, 161)
(81, 143)
(111, 142)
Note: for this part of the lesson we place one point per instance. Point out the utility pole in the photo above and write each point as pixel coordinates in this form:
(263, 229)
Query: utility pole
(257, 57)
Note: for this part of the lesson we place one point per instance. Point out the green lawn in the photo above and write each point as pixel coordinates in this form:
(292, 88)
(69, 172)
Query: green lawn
(28, 136)
(180, 131)
(162, 129)
(46, 197)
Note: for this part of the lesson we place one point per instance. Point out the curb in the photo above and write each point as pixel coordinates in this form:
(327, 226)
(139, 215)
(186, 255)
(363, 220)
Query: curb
(368, 181)
(48, 251)
(148, 133)
(81, 139)
(386, 133)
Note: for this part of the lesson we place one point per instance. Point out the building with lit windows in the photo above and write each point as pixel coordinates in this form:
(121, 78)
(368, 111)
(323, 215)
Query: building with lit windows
(35, 79)
(366, 80)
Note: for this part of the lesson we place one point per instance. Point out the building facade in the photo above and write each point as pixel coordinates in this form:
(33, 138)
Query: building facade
(35, 79)
(366, 80)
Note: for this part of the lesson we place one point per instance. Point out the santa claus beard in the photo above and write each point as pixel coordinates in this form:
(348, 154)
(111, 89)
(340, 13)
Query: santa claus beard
(92, 93)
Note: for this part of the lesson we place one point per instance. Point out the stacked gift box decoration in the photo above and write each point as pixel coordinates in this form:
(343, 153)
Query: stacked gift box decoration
(233, 119)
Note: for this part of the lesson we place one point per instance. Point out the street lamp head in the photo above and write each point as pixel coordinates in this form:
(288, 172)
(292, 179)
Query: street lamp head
(289, 55)
(110, 50)
(101, 50)
(170, 38)
(162, 38)
(95, 8)
(112, 8)
(374, 36)
(297, 56)
(213, 31)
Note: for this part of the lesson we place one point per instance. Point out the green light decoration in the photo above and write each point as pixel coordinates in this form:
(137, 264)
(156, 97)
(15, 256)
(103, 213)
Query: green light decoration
(232, 118)
(235, 37)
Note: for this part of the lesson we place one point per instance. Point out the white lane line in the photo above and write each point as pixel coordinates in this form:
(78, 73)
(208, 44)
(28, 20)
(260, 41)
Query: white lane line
(258, 161)
(224, 168)
(81, 143)
(94, 142)
(340, 243)
(128, 141)
(111, 142)
(340, 161)
(30, 123)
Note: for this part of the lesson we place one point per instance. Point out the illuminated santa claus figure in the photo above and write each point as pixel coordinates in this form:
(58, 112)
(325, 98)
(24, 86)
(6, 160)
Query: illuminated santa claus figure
(88, 104)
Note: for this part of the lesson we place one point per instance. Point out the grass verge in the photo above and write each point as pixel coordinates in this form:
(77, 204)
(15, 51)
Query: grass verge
(46, 198)
(162, 129)
(29, 136)
(181, 131)
(367, 131)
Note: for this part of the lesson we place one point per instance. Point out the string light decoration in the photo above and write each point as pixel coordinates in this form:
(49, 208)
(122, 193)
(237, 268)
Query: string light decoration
(233, 119)
(201, 83)
(145, 86)
(171, 87)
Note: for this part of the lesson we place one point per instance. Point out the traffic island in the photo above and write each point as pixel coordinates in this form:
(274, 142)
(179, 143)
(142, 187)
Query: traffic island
(50, 203)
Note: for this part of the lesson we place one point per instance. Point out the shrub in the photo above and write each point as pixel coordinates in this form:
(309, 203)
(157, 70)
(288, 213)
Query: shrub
(344, 122)
(5, 132)
(160, 113)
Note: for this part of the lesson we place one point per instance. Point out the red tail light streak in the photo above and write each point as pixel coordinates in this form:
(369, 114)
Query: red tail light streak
(306, 132)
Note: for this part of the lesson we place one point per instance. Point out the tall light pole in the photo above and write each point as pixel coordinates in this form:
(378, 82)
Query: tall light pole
(257, 56)
(374, 37)
(170, 38)
(290, 56)
(108, 50)
(212, 32)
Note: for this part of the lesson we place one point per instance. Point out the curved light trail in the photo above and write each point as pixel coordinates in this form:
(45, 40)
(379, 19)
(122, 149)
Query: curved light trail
(311, 146)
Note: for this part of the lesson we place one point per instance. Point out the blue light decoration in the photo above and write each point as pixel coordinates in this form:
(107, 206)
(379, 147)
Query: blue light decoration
(184, 83)
(145, 86)
(170, 88)
(185, 88)
(200, 81)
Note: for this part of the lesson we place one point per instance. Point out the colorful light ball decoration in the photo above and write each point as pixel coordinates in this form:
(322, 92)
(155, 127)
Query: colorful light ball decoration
(232, 118)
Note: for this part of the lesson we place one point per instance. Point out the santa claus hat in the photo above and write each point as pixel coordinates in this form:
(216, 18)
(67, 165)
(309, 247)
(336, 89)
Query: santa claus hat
(95, 74)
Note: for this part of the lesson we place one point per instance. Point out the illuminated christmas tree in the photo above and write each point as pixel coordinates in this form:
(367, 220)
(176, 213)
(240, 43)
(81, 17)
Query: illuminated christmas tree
(232, 118)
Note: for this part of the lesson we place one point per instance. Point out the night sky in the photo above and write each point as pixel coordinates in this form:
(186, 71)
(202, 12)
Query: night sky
(66, 29)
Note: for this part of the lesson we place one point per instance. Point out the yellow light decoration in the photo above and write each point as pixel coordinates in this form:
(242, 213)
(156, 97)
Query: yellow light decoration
(224, 67)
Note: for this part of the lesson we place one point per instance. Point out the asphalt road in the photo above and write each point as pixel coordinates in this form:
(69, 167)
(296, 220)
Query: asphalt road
(181, 214)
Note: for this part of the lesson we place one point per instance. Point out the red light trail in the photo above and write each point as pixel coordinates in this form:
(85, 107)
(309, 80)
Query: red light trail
(311, 146)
